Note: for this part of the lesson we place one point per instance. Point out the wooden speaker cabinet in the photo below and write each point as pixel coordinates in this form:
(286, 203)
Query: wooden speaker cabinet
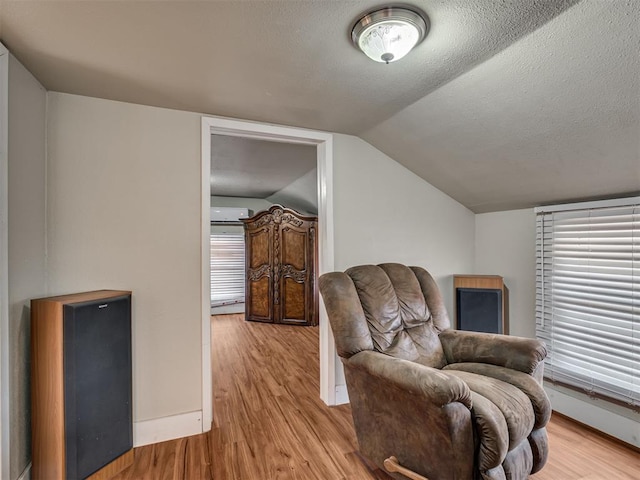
(481, 303)
(281, 258)
(81, 385)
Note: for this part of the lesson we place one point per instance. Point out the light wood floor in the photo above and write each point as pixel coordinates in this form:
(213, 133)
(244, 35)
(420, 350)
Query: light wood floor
(269, 423)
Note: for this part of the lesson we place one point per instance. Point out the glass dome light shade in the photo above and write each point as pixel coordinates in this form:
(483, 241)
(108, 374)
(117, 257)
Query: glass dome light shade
(389, 34)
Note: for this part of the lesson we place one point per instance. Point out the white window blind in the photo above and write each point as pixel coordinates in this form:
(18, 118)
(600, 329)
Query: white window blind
(588, 298)
(227, 268)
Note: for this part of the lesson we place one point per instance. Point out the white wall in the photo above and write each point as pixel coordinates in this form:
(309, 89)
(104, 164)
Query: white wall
(385, 213)
(4, 265)
(505, 245)
(26, 245)
(254, 204)
(124, 213)
(301, 194)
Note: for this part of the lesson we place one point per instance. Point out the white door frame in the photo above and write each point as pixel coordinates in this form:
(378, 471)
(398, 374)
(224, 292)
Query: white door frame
(324, 143)
(4, 264)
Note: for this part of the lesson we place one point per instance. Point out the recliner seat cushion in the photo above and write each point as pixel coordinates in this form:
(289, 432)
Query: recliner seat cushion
(526, 383)
(539, 448)
(512, 402)
(519, 462)
(492, 431)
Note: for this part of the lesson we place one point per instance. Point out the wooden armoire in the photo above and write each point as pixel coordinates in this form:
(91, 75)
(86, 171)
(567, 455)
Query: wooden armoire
(281, 258)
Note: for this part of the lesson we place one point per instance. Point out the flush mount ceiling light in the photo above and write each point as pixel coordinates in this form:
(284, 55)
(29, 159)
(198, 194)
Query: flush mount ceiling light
(388, 34)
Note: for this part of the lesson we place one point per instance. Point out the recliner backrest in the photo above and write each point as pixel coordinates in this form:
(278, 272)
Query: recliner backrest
(398, 311)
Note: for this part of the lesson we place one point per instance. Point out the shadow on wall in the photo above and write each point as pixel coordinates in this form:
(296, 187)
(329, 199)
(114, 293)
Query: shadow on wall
(20, 388)
(300, 195)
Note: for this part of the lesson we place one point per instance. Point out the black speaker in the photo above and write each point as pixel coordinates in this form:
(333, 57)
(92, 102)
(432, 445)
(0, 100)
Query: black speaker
(479, 309)
(97, 383)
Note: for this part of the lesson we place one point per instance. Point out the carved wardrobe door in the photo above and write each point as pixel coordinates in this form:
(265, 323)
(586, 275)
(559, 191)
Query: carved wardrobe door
(281, 257)
(258, 237)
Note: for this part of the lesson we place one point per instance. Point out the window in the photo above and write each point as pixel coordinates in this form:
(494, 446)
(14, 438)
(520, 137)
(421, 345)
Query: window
(227, 268)
(588, 296)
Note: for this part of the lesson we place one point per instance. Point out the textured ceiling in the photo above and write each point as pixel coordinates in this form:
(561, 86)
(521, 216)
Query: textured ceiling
(242, 167)
(553, 118)
(506, 104)
(289, 61)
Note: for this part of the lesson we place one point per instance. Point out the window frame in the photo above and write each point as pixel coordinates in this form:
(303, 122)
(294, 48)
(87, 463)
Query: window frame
(588, 296)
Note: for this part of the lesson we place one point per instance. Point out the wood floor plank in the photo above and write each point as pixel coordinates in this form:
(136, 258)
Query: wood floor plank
(578, 453)
(269, 422)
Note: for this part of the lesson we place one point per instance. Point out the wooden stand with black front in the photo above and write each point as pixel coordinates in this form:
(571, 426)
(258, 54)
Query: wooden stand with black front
(81, 385)
(481, 303)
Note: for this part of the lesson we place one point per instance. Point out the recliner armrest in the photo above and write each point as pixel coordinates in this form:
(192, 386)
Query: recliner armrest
(432, 384)
(518, 353)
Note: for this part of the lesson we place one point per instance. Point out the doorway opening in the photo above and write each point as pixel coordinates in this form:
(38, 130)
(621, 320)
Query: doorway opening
(324, 159)
(251, 179)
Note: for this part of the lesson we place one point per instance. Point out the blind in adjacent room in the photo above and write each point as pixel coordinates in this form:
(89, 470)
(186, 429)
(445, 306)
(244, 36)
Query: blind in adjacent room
(588, 296)
(227, 268)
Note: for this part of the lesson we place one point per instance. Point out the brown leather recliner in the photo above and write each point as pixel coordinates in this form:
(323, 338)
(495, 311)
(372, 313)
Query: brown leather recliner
(447, 404)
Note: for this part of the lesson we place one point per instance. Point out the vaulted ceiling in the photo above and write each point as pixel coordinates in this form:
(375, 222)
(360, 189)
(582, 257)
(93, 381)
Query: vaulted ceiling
(506, 104)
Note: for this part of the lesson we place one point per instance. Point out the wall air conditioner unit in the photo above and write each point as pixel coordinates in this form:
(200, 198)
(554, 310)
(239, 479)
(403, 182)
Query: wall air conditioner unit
(229, 214)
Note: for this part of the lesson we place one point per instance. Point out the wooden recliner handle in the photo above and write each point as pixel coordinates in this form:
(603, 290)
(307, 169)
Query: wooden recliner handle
(392, 465)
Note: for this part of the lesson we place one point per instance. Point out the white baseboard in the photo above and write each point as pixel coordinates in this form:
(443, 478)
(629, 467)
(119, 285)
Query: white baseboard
(26, 474)
(167, 428)
(225, 309)
(623, 424)
(342, 396)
